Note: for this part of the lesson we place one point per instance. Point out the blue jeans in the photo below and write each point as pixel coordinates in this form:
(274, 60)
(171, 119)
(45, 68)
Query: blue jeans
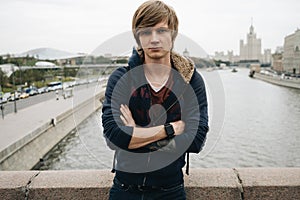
(129, 192)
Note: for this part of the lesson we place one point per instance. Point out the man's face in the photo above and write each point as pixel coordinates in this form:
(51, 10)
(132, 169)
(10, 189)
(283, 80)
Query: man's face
(156, 41)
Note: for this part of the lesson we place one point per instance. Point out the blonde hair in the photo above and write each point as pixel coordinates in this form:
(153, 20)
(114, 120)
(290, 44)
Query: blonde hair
(151, 13)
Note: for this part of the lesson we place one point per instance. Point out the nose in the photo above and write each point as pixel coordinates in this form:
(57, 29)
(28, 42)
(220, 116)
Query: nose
(154, 38)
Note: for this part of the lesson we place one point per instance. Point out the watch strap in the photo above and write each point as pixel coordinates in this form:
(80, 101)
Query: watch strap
(169, 130)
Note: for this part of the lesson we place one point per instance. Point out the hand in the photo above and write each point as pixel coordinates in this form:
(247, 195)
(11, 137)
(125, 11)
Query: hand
(126, 116)
(178, 127)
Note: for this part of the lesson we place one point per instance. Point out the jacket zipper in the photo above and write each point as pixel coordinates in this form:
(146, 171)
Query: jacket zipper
(149, 158)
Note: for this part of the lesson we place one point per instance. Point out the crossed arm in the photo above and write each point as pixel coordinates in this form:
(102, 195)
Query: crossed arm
(144, 136)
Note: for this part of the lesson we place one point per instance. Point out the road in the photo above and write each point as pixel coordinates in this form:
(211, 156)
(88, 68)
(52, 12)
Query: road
(32, 100)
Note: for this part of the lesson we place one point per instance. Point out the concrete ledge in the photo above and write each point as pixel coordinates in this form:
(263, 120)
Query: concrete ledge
(212, 184)
(13, 184)
(241, 183)
(270, 183)
(71, 185)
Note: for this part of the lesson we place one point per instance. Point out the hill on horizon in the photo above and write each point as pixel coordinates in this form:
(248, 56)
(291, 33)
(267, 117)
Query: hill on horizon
(50, 54)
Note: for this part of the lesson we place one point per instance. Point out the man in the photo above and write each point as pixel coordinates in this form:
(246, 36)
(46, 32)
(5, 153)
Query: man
(155, 111)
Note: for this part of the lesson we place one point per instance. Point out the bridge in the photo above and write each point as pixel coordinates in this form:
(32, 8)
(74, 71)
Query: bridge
(110, 65)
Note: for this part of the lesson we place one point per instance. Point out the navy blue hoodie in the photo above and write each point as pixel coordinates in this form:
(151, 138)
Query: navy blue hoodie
(162, 166)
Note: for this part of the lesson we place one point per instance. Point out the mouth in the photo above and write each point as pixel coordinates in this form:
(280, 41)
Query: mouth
(155, 48)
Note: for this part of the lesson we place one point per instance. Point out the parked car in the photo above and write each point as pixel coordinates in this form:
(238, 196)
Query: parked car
(24, 95)
(14, 96)
(42, 90)
(31, 91)
(3, 100)
(5, 97)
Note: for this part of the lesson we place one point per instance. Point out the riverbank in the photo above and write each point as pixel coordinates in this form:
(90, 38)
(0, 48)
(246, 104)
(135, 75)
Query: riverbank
(291, 83)
(28, 135)
(202, 183)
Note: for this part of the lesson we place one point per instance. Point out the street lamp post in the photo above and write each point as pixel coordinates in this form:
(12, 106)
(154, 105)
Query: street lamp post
(62, 82)
(87, 76)
(15, 92)
(1, 103)
(20, 81)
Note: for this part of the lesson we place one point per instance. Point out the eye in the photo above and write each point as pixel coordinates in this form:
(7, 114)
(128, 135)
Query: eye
(145, 32)
(162, 30)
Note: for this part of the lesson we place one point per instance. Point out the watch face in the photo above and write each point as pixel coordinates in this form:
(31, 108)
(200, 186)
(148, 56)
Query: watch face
(169, 130)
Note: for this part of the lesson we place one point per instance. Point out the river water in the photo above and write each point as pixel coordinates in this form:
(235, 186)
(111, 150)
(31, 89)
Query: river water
(261, 128)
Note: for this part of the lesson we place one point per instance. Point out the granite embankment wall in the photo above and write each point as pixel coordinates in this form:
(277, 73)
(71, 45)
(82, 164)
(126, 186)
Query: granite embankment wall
(26, 152)
(291, 83)
(235, 184)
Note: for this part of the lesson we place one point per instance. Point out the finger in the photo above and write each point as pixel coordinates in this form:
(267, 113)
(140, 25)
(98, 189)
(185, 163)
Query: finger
(123, 110)
(123, 120)
(127, 110)
(124, 113)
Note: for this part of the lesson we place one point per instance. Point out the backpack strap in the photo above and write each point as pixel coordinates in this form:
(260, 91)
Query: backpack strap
(113, 170)
(187, 168)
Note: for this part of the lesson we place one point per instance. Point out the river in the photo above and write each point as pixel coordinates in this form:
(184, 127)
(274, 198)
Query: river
(260, 129)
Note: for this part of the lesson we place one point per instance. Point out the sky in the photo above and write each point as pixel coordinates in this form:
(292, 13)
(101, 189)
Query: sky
(80, 26)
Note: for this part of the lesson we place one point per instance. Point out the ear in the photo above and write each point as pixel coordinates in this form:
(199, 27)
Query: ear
(140, 52)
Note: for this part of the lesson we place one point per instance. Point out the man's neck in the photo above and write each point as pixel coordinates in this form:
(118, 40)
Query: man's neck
(158, 67)
(166, 61)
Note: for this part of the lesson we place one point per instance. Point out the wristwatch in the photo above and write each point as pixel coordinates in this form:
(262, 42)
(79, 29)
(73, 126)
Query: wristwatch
(169, 130)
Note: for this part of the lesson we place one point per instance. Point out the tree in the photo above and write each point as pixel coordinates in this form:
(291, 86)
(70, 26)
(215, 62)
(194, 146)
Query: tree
(1, 60)
(3, 79)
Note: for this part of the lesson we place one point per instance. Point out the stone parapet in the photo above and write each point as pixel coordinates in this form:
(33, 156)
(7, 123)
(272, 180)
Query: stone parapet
(202, 183)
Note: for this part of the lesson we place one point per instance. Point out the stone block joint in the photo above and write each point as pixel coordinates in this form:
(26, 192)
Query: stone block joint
(27, 187)
(240, 183)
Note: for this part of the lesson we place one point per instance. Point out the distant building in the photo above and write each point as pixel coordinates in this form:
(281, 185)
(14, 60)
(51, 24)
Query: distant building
(107, 55)
(267, 56)
(291, 53)
(70, 61)
(186, 53)
(277, 62)
(229, 57)
(250, 51)
(279, 49)
(45, 65)
(219, 55)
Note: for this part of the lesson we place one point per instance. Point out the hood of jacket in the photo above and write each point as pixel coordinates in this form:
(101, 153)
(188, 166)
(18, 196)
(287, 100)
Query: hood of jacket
(183, 65)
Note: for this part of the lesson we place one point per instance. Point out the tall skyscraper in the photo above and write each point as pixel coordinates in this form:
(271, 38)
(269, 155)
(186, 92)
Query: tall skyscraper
(250, 51)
